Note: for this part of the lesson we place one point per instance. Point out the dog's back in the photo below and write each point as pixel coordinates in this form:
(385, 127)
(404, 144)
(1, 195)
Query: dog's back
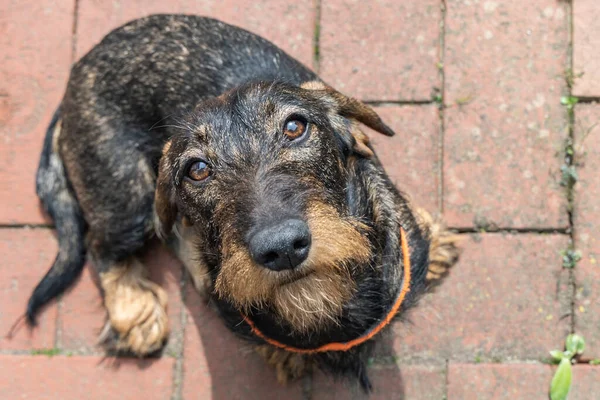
(165, 64)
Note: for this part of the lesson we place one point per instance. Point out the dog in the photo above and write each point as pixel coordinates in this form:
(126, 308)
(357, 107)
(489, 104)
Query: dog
(258, 176)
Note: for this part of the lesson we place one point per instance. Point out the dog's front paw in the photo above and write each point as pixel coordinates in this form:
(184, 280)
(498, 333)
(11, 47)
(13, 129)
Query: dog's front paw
(288, 366)
(137, 317)
(443, 249)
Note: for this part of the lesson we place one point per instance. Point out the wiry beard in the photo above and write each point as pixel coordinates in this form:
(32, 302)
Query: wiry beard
(312, 296)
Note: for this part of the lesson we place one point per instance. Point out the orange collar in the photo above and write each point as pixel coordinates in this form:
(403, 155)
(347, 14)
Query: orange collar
(345, 346)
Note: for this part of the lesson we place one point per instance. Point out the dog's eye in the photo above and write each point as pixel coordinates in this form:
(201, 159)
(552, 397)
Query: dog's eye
(295, 127)
(199, 171)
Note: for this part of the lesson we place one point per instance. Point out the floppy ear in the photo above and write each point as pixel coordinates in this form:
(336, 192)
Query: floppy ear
(353, 109)
(349, 107)
(165, 210)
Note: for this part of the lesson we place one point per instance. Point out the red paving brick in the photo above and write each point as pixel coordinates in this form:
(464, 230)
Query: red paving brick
(34, 64)
(587, 226)
(412, 382)
(220, 366)
(499, 302)
(384, 50)
(77, 377)
(505, 126)
(498, 381)
(586, 382)
(586, 45)
(26, 255)
(290, 25)
(411, 157)
(82, 314)
(504, 131)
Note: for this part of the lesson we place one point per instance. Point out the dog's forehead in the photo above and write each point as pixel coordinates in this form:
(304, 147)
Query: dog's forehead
(263, 90)
(252, 110)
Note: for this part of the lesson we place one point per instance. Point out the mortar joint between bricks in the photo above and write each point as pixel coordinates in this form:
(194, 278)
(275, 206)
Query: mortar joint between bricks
(568, 170)
(317, 36)
(74, 31)
(178, 373)
(440, 99)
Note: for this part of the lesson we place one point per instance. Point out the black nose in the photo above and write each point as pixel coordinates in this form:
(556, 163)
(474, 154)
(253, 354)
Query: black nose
(281, 246)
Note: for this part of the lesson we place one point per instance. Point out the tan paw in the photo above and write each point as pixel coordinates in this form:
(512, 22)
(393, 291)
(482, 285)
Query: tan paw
(443, 248)
(137, 315)
(288, 366)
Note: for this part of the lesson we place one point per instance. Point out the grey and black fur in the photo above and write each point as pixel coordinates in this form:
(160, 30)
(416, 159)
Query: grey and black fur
(59, 201)
(162, 92)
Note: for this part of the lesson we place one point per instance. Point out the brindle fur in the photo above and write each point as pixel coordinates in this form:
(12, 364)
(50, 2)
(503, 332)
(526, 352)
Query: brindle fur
(166, 89)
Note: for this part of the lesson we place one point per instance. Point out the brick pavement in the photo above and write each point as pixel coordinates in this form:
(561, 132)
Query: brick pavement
(473, 89)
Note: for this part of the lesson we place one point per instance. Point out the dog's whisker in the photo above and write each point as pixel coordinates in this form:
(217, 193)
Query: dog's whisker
(159, 121)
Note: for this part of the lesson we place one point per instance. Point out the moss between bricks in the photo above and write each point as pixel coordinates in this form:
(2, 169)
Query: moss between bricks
(46, 352)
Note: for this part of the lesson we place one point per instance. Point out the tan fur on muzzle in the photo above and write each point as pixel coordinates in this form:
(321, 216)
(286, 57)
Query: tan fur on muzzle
(314, 295)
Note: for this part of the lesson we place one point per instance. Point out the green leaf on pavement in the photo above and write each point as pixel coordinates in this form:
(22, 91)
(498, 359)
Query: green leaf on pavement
(557, 355)
(561, 383)
(575, 344)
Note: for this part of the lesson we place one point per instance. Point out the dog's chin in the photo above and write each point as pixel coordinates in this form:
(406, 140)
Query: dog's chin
(308, 298)
(312, 299)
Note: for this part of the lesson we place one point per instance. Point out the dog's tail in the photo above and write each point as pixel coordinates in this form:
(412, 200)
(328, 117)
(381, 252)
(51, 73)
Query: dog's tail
(59, 201)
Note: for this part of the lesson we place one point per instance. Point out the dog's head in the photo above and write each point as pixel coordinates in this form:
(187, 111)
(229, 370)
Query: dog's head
(261, 172)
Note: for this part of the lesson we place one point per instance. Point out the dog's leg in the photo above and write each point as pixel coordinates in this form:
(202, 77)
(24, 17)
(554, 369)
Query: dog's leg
(443, 249)
(288, 366)
(114, 180)
(137, 317)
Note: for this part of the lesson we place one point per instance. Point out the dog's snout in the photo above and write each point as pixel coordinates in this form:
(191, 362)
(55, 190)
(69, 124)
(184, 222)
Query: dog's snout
(282, 246)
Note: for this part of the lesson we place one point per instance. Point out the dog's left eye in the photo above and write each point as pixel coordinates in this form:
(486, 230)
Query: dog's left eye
(199, 171)
(295, 127)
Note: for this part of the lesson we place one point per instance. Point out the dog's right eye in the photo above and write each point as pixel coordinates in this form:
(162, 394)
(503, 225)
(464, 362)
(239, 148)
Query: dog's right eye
(199, 171)
(295, 127)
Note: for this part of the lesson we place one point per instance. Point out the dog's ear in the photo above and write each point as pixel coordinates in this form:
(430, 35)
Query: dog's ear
(165, 209)
(348, 107)
(352, 109)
